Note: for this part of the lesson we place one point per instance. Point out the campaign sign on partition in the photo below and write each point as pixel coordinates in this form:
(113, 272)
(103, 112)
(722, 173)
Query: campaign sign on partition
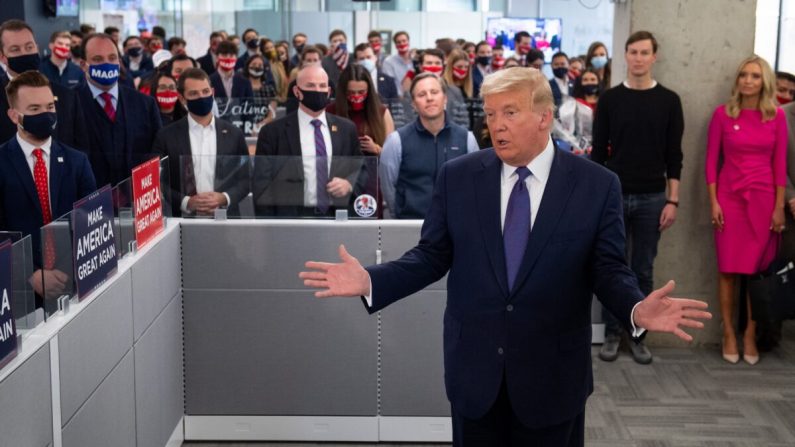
(146, 201)
(94, 244)
(8, 328)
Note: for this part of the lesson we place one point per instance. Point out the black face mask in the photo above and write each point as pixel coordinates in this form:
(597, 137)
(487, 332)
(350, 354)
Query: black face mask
(21, 64)
(483, 60)
(41, 125)
(561, 72)
(252, 44)
(314, 101)
(590, 89)
(201, 106)
(135, 51)
(299, 49)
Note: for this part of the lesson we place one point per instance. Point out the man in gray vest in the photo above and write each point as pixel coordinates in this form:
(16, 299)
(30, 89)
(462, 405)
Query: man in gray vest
(413, 154)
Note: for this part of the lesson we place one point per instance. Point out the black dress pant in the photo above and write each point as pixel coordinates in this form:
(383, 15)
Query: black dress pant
(500, 427)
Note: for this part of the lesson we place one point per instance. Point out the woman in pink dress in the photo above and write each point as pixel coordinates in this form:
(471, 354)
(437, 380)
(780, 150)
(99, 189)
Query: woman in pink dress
(747, 190)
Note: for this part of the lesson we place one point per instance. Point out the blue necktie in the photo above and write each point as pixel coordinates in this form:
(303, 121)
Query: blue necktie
(516, 229)
(321, 168)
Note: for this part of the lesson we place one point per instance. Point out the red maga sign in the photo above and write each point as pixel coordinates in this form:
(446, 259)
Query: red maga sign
(146, 201)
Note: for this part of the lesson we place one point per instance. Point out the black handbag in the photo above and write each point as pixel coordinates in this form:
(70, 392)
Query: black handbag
(772, 292)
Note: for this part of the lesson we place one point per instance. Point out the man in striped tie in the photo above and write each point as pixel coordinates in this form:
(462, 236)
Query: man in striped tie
(40, 179)
(526, 235)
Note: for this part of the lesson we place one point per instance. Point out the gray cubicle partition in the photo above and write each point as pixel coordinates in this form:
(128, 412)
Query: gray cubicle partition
(25, 404)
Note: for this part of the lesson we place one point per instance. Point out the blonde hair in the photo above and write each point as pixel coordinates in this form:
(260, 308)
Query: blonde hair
(520, 78)
(455, 56)
(767, 96)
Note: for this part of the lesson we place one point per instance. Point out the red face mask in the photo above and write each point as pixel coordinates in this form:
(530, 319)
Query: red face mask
(166, 99)
(574, 74)
(156, 47)
(357, 101)
(436, 69)
(460, 73)
(524, 49)
(402, 49)
(61, 52)
(471, 58)
(497, 62)
(783, 101)
(227, 63)
(376, 47)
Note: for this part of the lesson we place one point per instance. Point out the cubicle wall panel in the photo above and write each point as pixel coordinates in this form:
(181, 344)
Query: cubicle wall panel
(159, 402)
(260, 255)
(395, 241)
(412, 363)
(93, 343)
(278, 353)
(26, 403)
(108, 416)
(155, 280)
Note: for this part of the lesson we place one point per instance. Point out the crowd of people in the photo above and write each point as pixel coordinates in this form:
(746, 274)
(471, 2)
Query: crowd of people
(118, 102)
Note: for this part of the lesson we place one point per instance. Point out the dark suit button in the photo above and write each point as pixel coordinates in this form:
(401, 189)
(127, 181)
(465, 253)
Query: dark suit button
(510, 308)
(500, 351)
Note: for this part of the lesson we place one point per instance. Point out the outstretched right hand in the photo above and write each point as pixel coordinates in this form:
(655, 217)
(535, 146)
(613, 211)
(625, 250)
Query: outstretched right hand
(347, 278)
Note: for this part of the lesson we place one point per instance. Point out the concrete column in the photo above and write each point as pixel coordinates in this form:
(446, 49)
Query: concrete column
(701, 42)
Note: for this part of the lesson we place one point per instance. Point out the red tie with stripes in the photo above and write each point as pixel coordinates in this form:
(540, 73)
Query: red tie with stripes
(109, 109)
(40, 176)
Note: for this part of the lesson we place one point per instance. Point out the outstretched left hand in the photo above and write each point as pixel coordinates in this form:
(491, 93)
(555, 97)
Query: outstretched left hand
(659, 312)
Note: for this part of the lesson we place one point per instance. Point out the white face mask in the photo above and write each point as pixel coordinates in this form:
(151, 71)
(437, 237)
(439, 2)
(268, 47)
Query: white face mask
(367, 64)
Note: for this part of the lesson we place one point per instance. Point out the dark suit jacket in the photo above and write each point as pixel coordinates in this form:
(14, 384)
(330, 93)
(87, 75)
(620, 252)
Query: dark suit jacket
(139, 117)
(20, 210)
(537, 335)
(557, 95)
(241, 87)
(332, 70)
(71, 128)
(206, 63)
(145, 68)
(278, 184)
(387, 88)
(231, 166)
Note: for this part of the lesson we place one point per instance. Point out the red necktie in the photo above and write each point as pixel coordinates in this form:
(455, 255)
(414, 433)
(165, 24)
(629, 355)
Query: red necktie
(109, 109)
(40, 176)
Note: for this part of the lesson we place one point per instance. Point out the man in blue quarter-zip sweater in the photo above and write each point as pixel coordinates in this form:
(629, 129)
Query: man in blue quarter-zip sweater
(413, 154)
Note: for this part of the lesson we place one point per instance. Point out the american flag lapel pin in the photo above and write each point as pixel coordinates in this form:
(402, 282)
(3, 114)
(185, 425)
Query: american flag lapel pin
(60, 159)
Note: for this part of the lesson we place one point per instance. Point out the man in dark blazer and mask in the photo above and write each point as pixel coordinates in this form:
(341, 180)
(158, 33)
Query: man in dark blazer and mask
(208, 157)
(303, 165)
(526, 235)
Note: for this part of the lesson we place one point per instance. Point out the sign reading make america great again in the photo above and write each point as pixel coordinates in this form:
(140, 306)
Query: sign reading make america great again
(8, 329)
(146, 197)
(94, 244)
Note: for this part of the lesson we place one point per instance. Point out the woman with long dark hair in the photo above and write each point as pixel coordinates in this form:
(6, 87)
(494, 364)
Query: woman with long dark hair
(164, 90)
(598, 59)
(357, 99)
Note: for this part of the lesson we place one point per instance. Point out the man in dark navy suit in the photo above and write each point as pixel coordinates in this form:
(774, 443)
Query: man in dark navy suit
(209, 61)
(225, 82)
(19, 52)
(40, 178)
(122, 122)
(385, 84)
(560, 83)
(526, 234)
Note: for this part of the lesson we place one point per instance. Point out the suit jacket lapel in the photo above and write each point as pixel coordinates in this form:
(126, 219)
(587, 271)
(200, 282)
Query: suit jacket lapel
(556, 195)
(336, 137)
(294, 154)
(17, 158)
(487, 184)
(56, 176)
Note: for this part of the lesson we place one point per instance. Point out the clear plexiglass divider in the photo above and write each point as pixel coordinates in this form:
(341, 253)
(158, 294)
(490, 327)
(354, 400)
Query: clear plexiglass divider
(21, 298)
(53, 267)
(279, 187)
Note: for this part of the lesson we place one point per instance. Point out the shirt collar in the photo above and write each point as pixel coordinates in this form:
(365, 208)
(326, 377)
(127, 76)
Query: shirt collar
(28, 148)
(420, 128)
(195, 125)
(539, 166)
(96, 91)
(653, 84)
(304, 119)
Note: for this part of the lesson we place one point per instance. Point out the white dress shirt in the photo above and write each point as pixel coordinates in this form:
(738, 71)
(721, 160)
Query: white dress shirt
(28, 149)
(203, 149)
(563, 84)
(307, 134)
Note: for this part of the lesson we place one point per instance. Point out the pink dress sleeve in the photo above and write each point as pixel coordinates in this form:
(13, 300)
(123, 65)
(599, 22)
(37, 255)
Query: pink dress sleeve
(780, 154)
(714, 137)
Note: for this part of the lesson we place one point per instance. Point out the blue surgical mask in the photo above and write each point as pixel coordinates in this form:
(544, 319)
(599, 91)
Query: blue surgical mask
(367, 64)
(104, 74)
(201, 106)
(598, 62)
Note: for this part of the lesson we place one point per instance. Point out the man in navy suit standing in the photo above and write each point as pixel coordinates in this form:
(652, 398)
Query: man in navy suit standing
(40, 178)
(526, 234)
(122, 122)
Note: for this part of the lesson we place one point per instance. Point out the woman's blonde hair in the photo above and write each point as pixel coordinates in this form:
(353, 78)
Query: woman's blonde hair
(767, 97)
(520, 78)
(455, 56)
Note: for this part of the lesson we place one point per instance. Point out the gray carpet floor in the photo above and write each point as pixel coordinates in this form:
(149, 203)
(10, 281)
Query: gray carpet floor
(685, 398)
